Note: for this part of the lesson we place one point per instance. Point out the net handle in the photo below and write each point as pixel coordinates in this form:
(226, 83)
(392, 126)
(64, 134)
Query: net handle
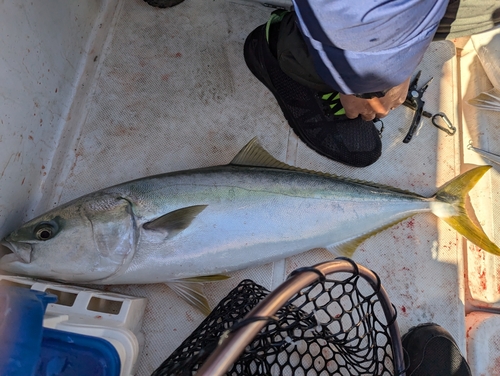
(233, 345)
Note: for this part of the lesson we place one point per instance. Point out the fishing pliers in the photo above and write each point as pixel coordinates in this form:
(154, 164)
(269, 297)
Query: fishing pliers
(415, 102)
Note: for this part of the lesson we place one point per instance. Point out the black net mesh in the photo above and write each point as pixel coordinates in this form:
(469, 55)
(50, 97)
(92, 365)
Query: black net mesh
(333, 327)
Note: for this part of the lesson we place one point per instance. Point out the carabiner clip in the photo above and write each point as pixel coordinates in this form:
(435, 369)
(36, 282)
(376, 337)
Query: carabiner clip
(449, 129)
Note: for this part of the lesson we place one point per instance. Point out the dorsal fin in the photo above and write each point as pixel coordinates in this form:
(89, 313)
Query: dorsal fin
(254, 155)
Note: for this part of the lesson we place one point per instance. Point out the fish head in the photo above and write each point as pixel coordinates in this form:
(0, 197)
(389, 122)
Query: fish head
(86, 240)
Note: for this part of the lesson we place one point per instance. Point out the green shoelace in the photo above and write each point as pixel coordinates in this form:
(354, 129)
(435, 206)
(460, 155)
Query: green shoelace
(333, 101)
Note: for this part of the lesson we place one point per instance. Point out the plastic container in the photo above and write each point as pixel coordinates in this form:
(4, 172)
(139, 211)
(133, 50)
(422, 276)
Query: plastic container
(27, 348)
(82, 315)
(71, 354)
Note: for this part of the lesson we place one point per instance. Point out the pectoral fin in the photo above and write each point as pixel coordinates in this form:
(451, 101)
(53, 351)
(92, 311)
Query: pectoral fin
(191, 290)
(174, 222)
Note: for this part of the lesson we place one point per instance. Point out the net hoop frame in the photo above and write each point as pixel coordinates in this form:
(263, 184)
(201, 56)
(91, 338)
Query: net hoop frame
(234, 342)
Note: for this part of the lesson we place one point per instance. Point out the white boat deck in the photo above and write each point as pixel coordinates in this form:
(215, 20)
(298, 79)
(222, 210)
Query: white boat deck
(161, 90)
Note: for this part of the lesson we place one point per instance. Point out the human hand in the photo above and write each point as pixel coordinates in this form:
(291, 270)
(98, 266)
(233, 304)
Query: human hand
(370, 109)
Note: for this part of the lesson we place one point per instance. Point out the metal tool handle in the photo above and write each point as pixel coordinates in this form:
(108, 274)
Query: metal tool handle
(417, 118)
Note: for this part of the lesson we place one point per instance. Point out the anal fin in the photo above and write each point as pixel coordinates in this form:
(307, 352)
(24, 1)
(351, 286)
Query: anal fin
(348, 247)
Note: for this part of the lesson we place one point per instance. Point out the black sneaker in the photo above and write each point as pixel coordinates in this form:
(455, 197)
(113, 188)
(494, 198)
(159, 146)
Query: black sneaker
(432, 351)
(317, 118)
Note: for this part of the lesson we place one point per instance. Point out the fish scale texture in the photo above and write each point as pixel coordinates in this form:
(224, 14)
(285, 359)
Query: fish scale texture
(173, 92)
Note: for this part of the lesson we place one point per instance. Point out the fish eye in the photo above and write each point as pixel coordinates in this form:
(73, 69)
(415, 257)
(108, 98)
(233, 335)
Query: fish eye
(45, 231)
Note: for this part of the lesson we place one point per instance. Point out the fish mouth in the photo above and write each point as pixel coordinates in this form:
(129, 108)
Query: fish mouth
(11, 252)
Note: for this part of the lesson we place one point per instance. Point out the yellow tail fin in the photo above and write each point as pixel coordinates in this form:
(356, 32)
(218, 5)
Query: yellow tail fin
(454, 193)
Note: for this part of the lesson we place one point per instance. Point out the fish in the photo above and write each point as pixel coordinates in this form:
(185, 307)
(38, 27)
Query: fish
(187, 227)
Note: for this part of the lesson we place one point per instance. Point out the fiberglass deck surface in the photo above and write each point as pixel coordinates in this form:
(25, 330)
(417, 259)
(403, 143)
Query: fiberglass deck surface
(172, 92)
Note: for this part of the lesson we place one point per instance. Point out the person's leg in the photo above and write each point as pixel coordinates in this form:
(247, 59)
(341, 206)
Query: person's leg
(467, 17)
(293, 55)
(432, 351)
(278, 56)
(312, 110)
(462, 18)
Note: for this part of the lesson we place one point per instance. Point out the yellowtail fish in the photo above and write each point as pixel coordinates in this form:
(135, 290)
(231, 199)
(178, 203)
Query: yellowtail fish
(187, 227)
